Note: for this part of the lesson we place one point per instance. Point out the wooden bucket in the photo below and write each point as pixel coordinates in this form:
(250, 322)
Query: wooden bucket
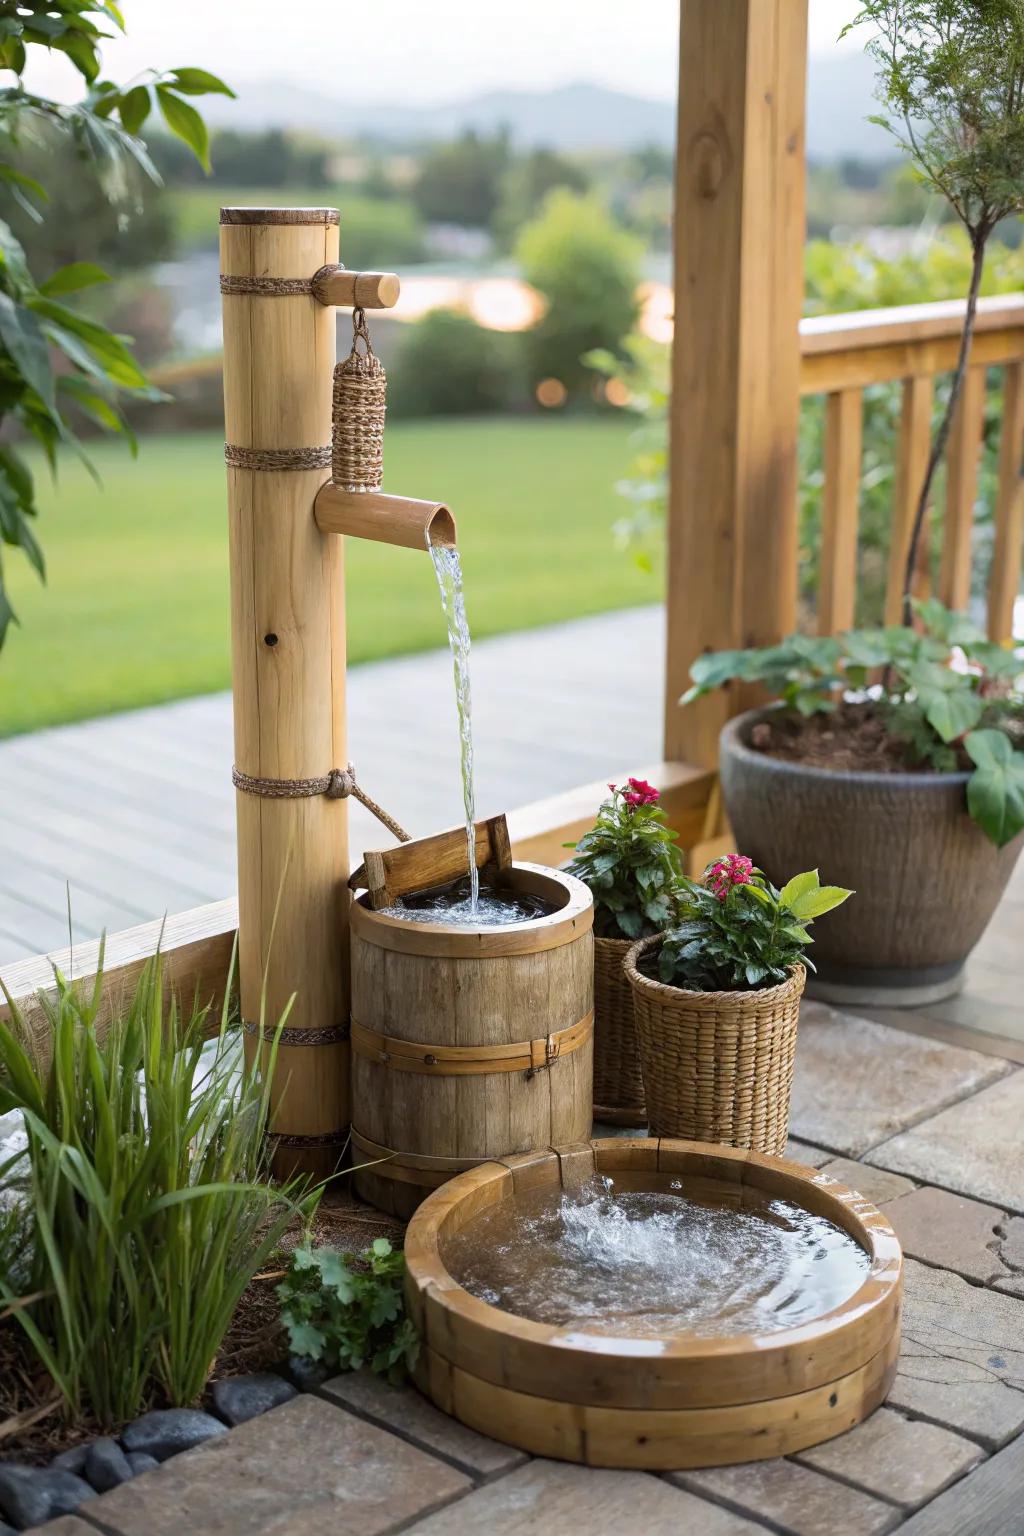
(669, 1401)
(467, 1043)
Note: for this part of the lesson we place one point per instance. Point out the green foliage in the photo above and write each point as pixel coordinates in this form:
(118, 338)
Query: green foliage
(586, 269)
(460, 182)
(737, 932)
(103, 132)
(526, 183)
(644, 370)
(995, 791)
(146, 1213)
(449, 365)
(926, 701)
(349, 1311)
(631, 864)
(951, 85)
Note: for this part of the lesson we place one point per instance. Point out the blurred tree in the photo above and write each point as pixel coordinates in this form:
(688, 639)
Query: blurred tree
(79, 221)
(450, 366)
(460, 182)
(587, 270)
(270, 159)
(526, 183)
(100, 135)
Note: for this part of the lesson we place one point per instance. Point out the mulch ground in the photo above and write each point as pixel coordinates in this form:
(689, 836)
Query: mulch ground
(33, 1428)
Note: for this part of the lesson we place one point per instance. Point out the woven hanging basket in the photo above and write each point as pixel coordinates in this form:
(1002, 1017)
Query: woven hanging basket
(359, 410)
(717, 1066)
(618, 1083)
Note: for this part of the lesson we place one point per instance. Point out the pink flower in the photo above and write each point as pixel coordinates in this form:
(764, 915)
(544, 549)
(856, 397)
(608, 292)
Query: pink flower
(733, 869)
(641, 793)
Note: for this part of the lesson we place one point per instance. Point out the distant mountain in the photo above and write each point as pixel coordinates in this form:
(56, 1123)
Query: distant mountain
(570, 117)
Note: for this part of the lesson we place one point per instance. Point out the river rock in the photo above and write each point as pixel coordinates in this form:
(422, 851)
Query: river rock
(305, 1373)
(31, 1495)
(141, 1461)
(239, 1398)
(166, 1431)
(71, 1460)
(106, 1465)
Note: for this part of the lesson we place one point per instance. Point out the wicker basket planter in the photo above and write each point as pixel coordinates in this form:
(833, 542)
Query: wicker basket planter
(717, 1066)
(618, 1081)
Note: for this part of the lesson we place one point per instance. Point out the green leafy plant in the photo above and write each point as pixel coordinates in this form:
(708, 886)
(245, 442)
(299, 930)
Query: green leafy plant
(347, 1310)
(54, 363)
(951, 83)
(630, 862)
(948, 695)
(146, 1209)
(737, 932)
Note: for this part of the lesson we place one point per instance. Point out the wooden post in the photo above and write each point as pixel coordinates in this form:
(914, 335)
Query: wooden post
(288, 666)
(739, 242)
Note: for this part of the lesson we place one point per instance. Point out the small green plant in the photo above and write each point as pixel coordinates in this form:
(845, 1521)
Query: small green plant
(630, 862)
(948, 695)
(738, 932)
(145, 1211)
(348, 1311)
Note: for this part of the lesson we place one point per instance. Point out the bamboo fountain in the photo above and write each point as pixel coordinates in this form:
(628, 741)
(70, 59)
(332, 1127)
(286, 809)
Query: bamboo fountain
(281, 282)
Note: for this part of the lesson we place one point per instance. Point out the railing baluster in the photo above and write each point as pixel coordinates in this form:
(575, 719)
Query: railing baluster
(961, 490)
(1004, 577)
(911, 463)
(837, 588)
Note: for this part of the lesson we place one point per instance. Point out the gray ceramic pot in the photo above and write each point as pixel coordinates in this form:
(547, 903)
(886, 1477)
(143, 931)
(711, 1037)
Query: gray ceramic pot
(926, 877)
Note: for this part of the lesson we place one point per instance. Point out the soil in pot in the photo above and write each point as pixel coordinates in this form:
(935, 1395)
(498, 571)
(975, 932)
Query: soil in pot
(838, 793)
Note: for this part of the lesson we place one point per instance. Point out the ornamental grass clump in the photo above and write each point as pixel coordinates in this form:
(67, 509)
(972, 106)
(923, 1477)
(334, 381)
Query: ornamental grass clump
(144, 1205)
(738, 932)
(630, 862)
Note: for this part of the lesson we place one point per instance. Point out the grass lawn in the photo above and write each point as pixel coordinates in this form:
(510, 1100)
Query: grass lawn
(135, 610)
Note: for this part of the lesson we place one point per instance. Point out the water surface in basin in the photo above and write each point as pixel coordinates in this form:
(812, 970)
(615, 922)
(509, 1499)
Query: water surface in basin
(640, 1263)
(454, 907)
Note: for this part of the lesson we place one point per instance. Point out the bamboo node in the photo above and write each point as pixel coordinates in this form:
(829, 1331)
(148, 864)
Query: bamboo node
(359, 409)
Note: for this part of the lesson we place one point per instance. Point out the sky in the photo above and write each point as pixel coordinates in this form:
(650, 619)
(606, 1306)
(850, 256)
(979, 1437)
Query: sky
(412, 51)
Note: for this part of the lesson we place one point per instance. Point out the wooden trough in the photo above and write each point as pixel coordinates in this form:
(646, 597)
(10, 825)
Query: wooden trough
(658, 1403)
(466, 1043)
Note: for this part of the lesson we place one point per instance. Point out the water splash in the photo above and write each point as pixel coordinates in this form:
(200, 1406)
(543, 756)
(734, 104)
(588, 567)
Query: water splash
(645, 1263)
(448, 568)
(451, 907)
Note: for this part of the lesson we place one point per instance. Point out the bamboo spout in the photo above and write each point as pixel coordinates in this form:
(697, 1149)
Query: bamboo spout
(401, 520)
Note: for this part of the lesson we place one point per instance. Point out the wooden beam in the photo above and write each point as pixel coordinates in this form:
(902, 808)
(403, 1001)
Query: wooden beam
(196, 946)
(915, 441)
(539, 832)
(739, 238)
(962, 459)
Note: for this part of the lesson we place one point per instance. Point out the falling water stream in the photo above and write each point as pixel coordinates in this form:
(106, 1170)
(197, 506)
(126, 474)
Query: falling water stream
(448, 568)
(643, 1263)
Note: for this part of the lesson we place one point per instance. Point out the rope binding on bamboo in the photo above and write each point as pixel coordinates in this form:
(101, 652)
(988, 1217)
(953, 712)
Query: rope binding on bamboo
(359, 409)
(339, 784)
(274, 459)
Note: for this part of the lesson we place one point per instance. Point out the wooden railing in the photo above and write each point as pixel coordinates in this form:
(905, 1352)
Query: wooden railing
(840, 356)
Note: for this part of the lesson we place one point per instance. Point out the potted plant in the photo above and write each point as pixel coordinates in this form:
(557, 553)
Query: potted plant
(631, 864)
(716, 1001)
(910, 788)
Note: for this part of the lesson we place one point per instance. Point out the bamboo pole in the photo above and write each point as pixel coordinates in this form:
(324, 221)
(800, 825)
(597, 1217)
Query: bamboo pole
(367, 290)
(288, 670)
